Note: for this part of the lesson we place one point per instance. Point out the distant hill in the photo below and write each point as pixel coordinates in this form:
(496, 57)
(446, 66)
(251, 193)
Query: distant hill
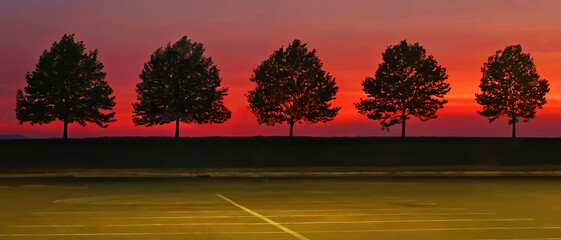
(14, 137)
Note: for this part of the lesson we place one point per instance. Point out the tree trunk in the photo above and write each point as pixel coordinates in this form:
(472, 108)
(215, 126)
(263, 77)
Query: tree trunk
(513, 129)
(403, 128)
(177, 128)
(291, 128)
(403, 118)
(65, 131)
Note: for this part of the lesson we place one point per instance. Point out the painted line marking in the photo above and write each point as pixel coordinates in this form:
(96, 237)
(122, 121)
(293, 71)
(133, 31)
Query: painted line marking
(333, 203)
(151, 212)
(141, 203)
(420, 220)
(266, 219)
(326, 201)
(170, 217)
(358, 209)
(432, 229)
(264, 210)
(134, 207)
(282, 223)
(519, 239)
(285, 215)
(280, 193)
(127, 234)
(335, 231)
(383, 214)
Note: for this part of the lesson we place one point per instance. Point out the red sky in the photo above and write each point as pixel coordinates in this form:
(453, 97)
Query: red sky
(349, 37)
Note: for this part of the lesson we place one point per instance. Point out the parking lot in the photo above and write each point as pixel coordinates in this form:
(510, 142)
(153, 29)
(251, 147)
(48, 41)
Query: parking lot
(281, 208)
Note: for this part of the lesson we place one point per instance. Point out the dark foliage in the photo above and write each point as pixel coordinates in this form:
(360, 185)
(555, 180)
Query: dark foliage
(292, 88)
(180, 84)
(407, 82)
(511, 87)
(69, 85)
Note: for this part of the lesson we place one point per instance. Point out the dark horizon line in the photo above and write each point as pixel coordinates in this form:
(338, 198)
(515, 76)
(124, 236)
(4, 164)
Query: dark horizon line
(23, 137)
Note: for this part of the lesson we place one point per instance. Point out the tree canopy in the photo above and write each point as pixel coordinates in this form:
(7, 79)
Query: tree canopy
(180, 84)
(511, 87)
(407, 83)
(292, 88)
(68, 84)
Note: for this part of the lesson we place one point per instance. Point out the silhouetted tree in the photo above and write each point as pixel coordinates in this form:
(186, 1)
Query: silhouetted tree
(180, 84)
(407, 82)
(511, 87)
(67, 85)
(292, 88)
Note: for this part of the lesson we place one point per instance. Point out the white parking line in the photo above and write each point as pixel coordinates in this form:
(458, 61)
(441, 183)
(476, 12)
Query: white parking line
(419, 220)
(128, 212)
(157, 217)
(138, 225)
(519, 239)
(369, 201)
(358, 209)
(284, 223)
(230, 233)
(128, 234)
(88, 207)
(145, 203)
(263, 210)
(383, 214)
(431, 229)
(266, 219)
(292, 193)
(288, 215)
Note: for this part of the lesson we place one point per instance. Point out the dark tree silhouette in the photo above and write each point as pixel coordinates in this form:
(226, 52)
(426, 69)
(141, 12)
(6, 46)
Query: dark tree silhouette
(292, 88)
(67, 85)
(180, 84)
(407, 82)
(511, 87)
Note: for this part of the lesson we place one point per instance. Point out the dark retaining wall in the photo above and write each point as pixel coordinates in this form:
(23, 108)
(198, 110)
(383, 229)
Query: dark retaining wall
(260, 152)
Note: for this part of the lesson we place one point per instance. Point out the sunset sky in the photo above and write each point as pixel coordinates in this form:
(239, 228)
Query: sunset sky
(349, 37)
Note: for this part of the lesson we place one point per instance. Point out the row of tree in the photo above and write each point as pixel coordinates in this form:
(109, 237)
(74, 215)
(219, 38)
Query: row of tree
(180, 84)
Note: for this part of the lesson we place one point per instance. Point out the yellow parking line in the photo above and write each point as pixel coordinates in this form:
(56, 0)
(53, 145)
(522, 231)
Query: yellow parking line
(266, 219)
